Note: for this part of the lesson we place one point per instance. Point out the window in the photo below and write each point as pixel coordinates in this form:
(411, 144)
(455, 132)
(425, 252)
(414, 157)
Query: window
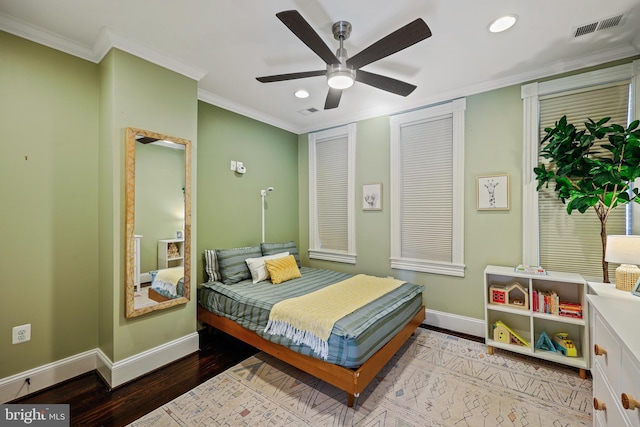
(427, 197)
(332, 194)
(551, 237)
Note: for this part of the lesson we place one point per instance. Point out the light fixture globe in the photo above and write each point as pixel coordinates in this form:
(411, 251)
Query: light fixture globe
(341, 77)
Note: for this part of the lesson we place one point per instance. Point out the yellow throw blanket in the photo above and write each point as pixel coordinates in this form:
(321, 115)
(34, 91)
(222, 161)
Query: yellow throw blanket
(171, 275)
(309, 319)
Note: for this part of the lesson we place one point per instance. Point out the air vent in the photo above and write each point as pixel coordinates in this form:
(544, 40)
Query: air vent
(308, 111)
(603, 24)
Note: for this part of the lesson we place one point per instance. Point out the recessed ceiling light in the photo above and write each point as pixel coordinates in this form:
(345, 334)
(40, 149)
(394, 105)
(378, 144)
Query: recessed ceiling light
(503, 23)
(301, 93)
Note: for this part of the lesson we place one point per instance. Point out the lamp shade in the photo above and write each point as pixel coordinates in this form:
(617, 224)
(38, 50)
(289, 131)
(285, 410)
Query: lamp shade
(623, 249)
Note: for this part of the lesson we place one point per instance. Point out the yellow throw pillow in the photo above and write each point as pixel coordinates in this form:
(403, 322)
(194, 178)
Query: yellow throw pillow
(282, 269)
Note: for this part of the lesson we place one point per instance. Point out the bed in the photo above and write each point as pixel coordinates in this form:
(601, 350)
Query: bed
(167, 284)
(360, 343)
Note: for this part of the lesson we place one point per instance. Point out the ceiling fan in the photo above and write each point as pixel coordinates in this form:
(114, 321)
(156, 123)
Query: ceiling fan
(342, 71)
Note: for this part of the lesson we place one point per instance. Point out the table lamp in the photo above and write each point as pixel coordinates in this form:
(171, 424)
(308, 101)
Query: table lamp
(624, 250)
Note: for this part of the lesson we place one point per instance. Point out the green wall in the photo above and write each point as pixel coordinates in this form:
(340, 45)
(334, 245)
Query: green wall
(62, 127)
(493, 143)
(147, 97)
(229, 203)
(48, 197)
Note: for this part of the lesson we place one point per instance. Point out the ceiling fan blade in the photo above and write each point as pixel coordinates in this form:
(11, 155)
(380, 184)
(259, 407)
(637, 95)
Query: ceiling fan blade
(333, 98)
(301, 28)
(385, 83)
(291, 76)
(400, 39)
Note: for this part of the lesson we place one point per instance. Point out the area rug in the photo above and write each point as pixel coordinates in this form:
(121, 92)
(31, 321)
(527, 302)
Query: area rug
(434, 380)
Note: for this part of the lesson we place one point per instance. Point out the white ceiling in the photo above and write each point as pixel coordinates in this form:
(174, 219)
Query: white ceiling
(225, 44)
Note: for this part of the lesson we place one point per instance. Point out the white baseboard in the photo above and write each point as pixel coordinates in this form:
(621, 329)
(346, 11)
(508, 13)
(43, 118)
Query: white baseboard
(454, 322)
(45, 376)
(115, 374)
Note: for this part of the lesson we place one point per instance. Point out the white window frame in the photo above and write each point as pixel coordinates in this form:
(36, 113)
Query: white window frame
(531, 94)
(456, 267)
(315, 251)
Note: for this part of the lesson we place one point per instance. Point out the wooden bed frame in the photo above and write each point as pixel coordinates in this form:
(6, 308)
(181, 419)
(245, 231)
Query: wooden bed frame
(154, 295)
(353, 381)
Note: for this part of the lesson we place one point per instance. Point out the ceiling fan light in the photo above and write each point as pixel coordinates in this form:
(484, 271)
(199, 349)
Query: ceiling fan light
(503, 23)
(341, 79)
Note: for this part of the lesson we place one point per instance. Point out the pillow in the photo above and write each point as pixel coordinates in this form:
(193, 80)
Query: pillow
(211, 265)
(274, 248)
(282, 269)
(257, 268)
(232, 265)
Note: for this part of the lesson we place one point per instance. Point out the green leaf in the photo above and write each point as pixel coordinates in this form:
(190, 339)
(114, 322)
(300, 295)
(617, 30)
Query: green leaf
(623, 197)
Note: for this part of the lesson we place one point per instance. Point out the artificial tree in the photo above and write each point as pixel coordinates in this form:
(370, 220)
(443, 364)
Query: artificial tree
(588, 171)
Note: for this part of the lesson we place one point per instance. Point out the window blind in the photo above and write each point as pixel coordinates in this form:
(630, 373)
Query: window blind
(572, 243)
(332, 193)
(426, 189)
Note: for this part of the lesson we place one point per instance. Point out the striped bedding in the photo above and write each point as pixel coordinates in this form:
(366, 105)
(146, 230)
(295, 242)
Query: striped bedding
(354, 338)
(179, 292)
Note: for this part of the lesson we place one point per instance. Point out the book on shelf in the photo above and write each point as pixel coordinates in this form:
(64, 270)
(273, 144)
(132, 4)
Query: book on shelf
(570, 309)
(546, 302)
(549, 302)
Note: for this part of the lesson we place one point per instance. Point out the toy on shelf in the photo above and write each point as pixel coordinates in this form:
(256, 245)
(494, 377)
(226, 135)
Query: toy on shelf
(545, 343)
(172, 251)
(498, 294)
(564, 345)
(514, 295)
(530, 269)
(504, 334)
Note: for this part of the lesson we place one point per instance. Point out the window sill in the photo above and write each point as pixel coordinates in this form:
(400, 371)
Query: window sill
(434, 267)
(332, 256)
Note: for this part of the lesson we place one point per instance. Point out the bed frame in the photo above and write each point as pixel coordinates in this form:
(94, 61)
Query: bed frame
(154, 295)
(353, 381)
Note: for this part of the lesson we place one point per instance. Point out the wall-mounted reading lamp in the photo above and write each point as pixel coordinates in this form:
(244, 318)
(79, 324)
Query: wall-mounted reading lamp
(263, 194)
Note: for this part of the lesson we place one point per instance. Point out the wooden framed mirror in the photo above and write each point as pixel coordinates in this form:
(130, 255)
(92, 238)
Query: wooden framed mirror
(158, 221)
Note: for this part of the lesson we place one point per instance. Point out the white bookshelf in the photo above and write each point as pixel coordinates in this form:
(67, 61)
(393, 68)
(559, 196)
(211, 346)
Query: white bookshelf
(529, 324)
(165, 258)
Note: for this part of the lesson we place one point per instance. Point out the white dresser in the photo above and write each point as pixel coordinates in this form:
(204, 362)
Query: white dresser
(615, 356)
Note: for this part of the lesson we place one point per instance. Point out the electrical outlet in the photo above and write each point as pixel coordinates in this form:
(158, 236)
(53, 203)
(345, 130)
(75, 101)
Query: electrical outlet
(233, 165)
(21, 334)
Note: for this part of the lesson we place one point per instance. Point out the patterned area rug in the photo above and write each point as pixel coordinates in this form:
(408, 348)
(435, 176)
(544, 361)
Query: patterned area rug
(434, 380)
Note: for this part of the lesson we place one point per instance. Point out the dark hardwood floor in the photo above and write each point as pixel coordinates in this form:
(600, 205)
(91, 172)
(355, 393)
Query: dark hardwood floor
(93, 404)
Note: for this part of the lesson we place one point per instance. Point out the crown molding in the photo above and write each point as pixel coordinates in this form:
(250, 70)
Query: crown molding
(105, 41)
(47, 38)
(559, 67)
(108, 40)
(213, 99)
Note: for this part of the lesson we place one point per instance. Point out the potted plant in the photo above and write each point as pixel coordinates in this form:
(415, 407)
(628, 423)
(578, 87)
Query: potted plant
(589, 172)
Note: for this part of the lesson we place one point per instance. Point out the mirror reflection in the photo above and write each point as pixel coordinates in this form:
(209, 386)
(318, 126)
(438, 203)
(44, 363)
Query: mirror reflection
(158, 232)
